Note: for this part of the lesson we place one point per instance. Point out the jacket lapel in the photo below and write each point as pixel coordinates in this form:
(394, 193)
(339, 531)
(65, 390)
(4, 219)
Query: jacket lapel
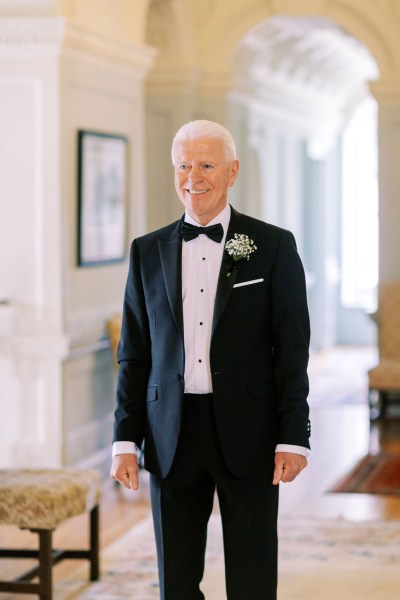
(171, 261)
(225, 283)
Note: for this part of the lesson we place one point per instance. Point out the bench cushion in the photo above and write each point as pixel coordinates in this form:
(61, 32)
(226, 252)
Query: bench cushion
(43, 498)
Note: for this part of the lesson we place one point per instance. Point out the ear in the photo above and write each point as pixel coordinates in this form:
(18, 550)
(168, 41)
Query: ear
(234, 170)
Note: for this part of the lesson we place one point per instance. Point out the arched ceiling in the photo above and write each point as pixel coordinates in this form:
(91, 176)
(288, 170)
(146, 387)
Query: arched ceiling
(310, 57)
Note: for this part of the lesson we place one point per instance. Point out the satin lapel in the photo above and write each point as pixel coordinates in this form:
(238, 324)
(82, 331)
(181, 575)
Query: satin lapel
(171, 262)
(225, 283)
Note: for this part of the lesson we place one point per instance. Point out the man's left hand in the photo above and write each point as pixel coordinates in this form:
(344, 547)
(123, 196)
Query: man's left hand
(287, 466)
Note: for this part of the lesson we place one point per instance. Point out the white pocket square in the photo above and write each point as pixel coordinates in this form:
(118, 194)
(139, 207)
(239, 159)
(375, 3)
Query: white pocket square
(249, 282)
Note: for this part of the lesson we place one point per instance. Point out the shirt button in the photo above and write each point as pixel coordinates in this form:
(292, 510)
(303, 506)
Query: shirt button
(201, 322)
(203, 258)
(200, 360)
(202, 290)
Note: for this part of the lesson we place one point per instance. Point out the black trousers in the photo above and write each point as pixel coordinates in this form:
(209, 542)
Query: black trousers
(182, 505)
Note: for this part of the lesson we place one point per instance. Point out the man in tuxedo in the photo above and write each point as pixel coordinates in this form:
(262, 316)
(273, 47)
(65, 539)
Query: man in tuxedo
(213, 375)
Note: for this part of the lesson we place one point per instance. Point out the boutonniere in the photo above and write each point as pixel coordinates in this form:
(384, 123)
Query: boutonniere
(239, 248)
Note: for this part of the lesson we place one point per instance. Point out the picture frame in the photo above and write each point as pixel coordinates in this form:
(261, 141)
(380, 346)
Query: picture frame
(102, 198)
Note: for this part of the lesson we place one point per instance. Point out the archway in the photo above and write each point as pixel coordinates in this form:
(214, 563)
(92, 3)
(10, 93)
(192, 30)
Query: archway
(196, 43)
(298, 82)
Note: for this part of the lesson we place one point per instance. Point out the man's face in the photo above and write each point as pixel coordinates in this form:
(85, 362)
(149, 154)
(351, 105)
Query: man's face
(202, 177)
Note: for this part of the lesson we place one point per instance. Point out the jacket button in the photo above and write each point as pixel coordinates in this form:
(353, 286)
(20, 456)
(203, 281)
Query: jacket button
(218, 373)
(178, 377)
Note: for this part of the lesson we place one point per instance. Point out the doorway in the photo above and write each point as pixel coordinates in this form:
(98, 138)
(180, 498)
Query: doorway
(301, 108)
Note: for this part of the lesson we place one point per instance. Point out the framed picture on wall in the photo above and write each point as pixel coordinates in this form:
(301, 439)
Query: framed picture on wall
(102, 197)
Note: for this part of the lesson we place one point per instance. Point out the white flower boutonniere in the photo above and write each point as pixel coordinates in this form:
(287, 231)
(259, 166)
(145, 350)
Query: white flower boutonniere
(239, 248)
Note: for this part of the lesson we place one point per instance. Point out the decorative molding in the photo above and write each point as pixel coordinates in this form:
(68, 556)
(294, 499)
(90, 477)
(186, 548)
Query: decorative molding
(136, 57)
(98, 460)
(306, 72)
(28, 7)
(39, 347)
(301, 110)
(86, 442)
(31, 36)
(181, 80)
(87, 331)
(47, 36)
(83, 347)
(372, 24)
(317, 124)
(386, 91)
(309, 55)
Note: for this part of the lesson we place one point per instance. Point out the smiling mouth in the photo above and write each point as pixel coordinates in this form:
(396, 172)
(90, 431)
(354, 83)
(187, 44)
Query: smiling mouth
(197, 192)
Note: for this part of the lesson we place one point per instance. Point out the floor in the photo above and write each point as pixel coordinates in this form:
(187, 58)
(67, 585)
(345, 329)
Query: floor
(341, 433)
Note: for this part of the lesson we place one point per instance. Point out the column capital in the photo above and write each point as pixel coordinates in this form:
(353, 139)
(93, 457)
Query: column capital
(137, 57)
(48, 36)
(181, 80)
(33, 36)
(386, 91)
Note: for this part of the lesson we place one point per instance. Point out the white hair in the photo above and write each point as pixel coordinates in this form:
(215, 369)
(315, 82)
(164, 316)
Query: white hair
(202, 128)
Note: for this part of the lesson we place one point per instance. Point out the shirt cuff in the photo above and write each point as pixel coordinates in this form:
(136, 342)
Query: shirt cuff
(124, 448)
(292, 448)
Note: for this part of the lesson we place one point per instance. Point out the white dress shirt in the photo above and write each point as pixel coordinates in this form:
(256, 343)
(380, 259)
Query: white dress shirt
(201, 262)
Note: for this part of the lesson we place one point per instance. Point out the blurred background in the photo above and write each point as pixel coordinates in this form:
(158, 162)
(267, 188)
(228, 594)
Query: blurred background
(92, 92)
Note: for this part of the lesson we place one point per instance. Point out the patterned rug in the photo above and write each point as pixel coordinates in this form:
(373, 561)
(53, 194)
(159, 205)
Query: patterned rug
(373, 474)
(319, 560)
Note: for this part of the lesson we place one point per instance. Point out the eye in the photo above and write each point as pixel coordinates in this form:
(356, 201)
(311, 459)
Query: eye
(207, 166)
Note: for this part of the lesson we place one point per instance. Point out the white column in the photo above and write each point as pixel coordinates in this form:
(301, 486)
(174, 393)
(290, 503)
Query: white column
(54, 79)
(387, 94)
(32, 344)
(271, 184)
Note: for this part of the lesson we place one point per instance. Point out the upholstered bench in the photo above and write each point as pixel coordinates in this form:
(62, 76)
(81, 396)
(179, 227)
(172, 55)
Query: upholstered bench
(39, 500)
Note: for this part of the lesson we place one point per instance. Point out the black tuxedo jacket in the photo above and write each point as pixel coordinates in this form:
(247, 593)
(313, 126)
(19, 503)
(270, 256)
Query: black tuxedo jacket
(258, 354)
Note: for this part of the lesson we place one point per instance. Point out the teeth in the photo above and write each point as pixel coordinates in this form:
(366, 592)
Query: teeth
(197, 191)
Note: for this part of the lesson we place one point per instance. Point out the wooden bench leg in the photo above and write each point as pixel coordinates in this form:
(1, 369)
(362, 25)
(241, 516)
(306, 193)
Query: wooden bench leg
(45, 564)
(384, 401)
(47, 558)
(94, 544)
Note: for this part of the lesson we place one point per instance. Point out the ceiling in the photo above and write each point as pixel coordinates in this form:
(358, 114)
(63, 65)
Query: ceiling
(310, 57)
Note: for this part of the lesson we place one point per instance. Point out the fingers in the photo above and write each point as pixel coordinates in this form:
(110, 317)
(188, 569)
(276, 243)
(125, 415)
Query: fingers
(278, 473)
(287, 466)
(125, 470)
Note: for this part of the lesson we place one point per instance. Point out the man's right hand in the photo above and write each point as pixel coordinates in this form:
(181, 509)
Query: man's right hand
(125, 470)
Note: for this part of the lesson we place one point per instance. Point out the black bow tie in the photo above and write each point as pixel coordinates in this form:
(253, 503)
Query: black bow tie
(214, 232)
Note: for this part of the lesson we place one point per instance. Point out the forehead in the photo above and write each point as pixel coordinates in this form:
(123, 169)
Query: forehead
(199, 149)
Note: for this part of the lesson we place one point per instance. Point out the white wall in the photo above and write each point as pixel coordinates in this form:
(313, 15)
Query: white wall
(34, 344)
(57, 78)
(97, 94)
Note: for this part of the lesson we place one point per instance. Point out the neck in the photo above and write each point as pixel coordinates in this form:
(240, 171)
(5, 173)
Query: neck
(204, 221)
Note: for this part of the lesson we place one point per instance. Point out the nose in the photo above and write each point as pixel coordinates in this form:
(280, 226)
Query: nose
(195, 173)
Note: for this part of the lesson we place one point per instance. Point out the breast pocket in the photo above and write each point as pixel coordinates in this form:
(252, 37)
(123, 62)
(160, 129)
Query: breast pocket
(250, 282)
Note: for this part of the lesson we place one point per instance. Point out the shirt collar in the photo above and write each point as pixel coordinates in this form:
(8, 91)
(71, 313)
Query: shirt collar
(223, 217)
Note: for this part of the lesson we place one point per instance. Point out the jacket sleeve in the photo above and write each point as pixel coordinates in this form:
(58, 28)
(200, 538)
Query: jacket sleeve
(134, 358)
(291, 338)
